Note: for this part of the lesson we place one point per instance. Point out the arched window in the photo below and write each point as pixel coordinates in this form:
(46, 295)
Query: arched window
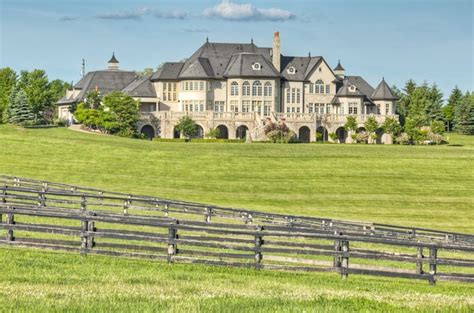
(257, 88)
(267, 89)
(319, 86)
(246, 89)
(234, 89)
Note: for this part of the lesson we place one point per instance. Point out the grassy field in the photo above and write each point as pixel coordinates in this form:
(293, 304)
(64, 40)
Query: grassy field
(419, 186)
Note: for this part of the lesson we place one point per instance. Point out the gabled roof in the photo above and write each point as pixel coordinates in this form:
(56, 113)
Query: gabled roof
(113, 59)
(168, 71)
(215, 57)
(140, 87)
(345, 90)
(199, 68)
(362, 85)
(383, 92)
(241, 65)
(303, 67)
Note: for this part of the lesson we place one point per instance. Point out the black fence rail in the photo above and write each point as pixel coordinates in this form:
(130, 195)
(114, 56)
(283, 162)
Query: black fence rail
(89, 221)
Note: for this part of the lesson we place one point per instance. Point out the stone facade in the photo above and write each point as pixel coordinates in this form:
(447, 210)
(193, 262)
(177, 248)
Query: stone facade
(238, 88)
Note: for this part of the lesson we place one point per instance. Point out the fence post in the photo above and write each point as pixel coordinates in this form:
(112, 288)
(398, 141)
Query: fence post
(10, 221)
(337, 251)
(419, 262)
(172, 246)
(90, 239)
(258, 246)
(207, 215)
(126, 205)
(41, 196)
(84, 226)
(433, 257)
(167, 207)
(345, 259)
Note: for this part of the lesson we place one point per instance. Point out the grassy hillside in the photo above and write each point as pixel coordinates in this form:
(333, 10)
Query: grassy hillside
(422, 186)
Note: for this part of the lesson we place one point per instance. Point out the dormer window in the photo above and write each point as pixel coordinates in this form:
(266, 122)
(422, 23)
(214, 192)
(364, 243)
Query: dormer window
(291, 70)
(256, 66)
(352, 88)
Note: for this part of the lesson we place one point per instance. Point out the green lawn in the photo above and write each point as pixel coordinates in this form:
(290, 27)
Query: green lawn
(419, 186)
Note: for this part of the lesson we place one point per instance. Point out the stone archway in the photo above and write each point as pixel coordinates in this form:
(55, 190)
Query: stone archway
(304, 134)
(341, 133)
(241, 132)
(148, 131)
(223, 132)
(199, 132)
(324, 133)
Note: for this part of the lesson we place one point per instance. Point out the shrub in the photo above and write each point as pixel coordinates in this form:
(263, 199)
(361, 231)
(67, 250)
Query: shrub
(187, 127)
(279, 133)
(333, 137)
(213, 133)
(362, 137)
(319, 136)
(403, 139)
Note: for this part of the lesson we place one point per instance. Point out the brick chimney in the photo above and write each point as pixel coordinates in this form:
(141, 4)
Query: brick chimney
(276, 51)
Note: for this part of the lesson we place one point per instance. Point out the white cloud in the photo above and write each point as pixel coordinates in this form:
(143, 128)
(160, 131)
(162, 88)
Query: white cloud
(229, 10)
(139, 13)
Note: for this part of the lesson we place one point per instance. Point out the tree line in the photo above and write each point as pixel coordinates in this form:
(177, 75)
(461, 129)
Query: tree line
(420, 105)
(29, 98)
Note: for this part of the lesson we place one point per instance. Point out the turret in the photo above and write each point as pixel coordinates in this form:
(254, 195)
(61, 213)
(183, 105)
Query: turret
(339, 70)
(384, 98)
(113, 63)
(276, 51)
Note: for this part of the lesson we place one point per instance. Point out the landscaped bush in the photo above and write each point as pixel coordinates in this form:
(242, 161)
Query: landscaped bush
(279, 133)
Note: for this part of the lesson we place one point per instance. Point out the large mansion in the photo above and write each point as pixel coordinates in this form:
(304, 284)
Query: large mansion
(238, 87)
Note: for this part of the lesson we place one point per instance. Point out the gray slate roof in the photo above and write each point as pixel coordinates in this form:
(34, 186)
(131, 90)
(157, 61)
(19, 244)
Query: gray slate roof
(140, 87)
(105, 80)
(168, 71)
(241, 65)
(383, 92)
(363, 89)
(302, 65)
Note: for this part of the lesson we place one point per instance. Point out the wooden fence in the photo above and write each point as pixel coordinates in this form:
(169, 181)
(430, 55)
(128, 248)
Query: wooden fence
(89, 221)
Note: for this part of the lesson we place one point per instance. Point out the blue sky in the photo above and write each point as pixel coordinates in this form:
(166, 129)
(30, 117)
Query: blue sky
(398, 39)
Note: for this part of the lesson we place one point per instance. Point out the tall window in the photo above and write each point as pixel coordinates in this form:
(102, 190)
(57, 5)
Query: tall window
(246, 89)
(293, 95)
(387, 108)
(353, 107)
(378, 108)
(245, 106)
(234, 89)
(311, 88)
(257, 88)
(234, 106)
(219, 106)
(319, 86)
(288, 95)
(267, 106)
(310, 108)
(267, 90)
(328, 88)
(298, 95)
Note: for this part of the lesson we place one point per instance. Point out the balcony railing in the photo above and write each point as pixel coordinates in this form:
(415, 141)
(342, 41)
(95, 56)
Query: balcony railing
(279, 116)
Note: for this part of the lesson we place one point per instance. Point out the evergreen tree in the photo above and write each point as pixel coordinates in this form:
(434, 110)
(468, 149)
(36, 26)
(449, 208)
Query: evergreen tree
(419, 103)
(19, 110)
(36, 87)
(7, 84)
(449, 109)
(464, 115)
(435, 104)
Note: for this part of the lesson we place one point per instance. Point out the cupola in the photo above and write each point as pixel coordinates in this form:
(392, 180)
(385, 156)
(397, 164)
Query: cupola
(113, 63)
